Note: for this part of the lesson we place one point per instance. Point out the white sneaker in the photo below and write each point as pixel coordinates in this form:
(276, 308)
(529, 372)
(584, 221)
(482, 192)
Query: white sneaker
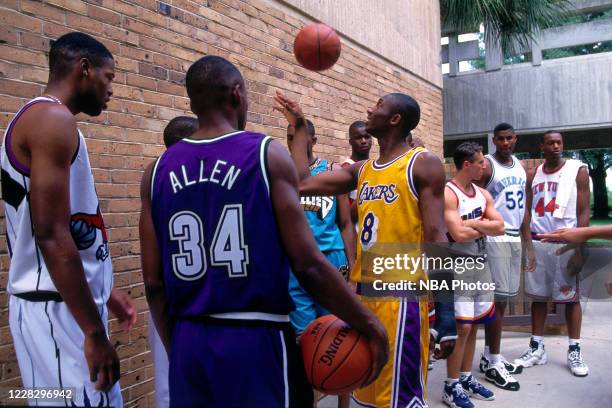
(499, 376)
(485, 364)
(535, 355)
(510, 367)
(575, 363)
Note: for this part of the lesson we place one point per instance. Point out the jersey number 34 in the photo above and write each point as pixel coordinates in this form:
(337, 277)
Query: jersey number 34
(227, 248)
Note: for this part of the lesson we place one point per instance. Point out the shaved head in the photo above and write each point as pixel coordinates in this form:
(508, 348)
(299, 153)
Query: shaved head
(357, 124)
(215, 84)
(70, 48)
(408, 108)
(179, 128)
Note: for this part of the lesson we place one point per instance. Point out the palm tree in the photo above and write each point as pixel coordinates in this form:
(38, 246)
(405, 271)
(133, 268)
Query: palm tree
(514, 23)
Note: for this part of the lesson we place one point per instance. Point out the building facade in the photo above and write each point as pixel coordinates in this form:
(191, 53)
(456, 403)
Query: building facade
(570, 94)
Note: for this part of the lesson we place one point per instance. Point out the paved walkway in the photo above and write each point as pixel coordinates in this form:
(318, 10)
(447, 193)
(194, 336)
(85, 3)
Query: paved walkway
(550, 385)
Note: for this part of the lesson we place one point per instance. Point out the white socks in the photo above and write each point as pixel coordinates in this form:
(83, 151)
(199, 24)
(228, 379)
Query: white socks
(493, 358)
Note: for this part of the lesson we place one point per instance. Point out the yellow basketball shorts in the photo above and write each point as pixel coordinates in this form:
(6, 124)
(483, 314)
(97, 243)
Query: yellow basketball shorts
(402, 380)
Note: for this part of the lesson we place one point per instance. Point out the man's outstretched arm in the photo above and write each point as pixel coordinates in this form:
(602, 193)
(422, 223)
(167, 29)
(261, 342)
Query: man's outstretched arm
(347, 229)
(578, 235)
(318, 277)
(335, 182)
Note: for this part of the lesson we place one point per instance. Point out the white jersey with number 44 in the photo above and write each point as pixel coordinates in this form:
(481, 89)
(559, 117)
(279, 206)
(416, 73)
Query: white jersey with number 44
(544, 188)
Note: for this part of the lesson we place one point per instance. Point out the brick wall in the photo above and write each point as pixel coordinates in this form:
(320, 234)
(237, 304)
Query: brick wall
(154, 43)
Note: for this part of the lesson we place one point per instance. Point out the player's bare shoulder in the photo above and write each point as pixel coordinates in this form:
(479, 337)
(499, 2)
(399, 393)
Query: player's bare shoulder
(485, 193)
(47, 128)
(278, 161)
(428, 170)
(59, 124)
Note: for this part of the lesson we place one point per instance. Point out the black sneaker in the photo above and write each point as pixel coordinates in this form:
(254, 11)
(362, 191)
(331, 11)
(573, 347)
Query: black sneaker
(498, 375)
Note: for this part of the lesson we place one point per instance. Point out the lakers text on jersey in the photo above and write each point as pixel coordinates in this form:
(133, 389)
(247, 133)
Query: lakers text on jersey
(389, 219)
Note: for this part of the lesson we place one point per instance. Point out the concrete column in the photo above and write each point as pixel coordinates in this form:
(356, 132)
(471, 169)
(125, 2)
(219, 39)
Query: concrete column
(490, 145)
(453, 57)
(536, 54)
(494, 58)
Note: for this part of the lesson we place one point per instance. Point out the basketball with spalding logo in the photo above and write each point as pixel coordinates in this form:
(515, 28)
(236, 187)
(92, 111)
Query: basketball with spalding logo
(337, 358)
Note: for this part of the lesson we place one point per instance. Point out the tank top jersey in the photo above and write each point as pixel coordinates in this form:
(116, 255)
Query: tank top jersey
(352, 194)
(544, 188)
(216, 230)
(321, 213)
(28, 272)
(470, 206)
(507, 187)
(389, 221)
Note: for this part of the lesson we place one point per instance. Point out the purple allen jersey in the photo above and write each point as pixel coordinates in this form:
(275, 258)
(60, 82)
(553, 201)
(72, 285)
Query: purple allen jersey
(216, 230)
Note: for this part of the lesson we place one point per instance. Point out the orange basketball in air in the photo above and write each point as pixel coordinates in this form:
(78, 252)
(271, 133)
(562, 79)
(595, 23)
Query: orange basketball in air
(336, 357)
(317, 47)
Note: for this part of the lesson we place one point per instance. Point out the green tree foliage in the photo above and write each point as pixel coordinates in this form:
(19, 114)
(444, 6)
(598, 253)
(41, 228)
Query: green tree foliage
(514, 22)
(585, 49)
(599, 161)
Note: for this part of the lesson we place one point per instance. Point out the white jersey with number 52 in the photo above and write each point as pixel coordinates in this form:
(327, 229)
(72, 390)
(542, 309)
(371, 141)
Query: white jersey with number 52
(507, 187)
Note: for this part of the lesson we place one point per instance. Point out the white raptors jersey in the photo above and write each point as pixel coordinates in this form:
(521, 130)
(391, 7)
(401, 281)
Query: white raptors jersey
(27, 271)
(507, 187)
(544, 188)
(470, 207)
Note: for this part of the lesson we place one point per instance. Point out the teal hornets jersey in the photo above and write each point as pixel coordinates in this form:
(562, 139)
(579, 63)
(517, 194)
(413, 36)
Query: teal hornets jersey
(321, 213)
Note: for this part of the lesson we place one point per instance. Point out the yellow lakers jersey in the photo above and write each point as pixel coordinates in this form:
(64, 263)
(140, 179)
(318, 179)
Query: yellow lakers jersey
(390, 229)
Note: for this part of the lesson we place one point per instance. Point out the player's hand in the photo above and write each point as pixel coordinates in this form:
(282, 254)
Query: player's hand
(379, 349)
(444, 330)
(345, 271)
(288, 107)
(122, 306)
(445, 350)
(565, 248)
(474, 224)
(102, 360)
(572, 235)
(575, 263)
